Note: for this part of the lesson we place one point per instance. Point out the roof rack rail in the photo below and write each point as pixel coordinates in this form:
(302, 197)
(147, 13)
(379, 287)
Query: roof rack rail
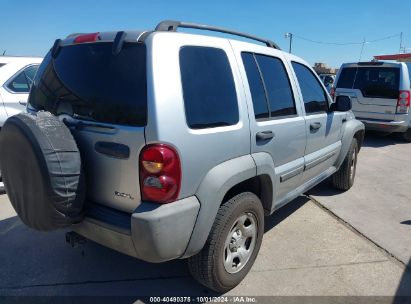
(171, 26)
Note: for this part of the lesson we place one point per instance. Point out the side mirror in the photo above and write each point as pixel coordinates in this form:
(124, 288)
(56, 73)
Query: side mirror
(342, 104)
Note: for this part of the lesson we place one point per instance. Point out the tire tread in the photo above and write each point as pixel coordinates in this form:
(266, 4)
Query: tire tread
(341, 178)
(201, 265)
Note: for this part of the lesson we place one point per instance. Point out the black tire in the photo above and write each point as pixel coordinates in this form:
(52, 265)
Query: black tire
(207, 267)
(406, 136)
(41, 168)
(343, 179)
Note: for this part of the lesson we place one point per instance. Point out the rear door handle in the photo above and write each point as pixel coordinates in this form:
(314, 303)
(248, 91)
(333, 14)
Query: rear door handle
(315, 126)
(23, 103)
(264, 135)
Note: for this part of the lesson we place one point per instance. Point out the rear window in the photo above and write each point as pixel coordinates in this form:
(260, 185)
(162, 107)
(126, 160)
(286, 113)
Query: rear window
(375, 82)
(88, 82)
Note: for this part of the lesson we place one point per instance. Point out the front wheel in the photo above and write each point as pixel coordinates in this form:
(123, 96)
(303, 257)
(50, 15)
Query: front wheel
(233, 244)
(343, 179)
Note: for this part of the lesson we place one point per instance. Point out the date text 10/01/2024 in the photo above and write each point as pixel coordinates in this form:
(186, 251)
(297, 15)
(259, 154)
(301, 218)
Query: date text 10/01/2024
(203, 299)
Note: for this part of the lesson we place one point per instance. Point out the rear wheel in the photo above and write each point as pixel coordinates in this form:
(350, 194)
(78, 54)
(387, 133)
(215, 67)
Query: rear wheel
(233, 244)
(343, 179)
(407, 135)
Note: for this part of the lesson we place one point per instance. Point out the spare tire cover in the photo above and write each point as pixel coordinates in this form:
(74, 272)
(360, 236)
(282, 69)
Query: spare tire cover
(41, 169)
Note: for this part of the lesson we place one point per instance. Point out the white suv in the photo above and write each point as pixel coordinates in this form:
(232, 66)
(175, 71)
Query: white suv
(380, 94)
(16, 76)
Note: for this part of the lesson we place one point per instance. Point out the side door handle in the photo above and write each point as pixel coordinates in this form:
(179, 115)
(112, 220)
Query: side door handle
(315, 126)
(23, 103)
(264, 135)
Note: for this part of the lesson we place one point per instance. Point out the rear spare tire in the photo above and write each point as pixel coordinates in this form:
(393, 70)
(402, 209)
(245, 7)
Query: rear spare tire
(41, 169)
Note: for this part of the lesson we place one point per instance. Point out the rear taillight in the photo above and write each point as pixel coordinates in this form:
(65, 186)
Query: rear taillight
(160, 173)
(403, 103)
(332, 92)
(92, 37)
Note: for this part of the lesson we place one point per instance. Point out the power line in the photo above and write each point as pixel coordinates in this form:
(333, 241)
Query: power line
(346, 43)
(385, 38)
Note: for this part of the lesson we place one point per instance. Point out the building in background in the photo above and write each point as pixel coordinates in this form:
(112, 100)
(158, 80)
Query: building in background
(321, 68)
(403, 57)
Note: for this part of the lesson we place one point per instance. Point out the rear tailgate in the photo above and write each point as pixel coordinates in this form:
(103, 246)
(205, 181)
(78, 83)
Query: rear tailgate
(103, 97)
(110, 160)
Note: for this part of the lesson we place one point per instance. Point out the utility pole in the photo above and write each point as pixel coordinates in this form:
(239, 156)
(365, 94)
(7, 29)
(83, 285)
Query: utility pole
(401, 48)
(289, 35)
(362, 48)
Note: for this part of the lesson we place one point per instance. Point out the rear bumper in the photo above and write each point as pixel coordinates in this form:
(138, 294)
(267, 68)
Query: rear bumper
(384, 125)
(154, 233)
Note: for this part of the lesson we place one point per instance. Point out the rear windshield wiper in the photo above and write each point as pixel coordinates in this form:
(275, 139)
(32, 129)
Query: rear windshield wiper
(80, 124)
(118, 42)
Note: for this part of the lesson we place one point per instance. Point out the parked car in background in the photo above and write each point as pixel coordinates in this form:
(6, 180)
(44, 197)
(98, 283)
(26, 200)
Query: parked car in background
(16, 77)
(328, 80)
(380, 94)
(187, 141)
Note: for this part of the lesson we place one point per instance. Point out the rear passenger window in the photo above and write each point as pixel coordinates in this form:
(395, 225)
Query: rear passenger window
(210, 98)
(269, 85)
(256, 86)
(314, 96)
(280, 96)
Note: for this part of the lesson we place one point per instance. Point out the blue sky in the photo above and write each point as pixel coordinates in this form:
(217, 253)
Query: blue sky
(30, 27)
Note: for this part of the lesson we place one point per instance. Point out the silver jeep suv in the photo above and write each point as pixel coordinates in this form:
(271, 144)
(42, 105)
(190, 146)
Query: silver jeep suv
(167, 145)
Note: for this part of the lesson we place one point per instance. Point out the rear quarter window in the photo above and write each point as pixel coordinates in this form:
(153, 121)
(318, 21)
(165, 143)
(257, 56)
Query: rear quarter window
(22, 82)
(209, 93)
